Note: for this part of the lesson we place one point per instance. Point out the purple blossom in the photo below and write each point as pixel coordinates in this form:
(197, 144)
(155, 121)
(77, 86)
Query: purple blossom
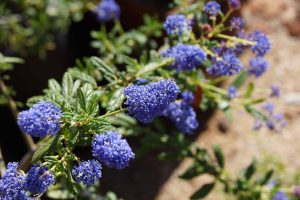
(107, 10)
(187, 57)
(262, 44)
(87, 172)
(112, 150)
(212, 8)
(237, 23)
(177, 25)
(183, 115)
(234, 4)
(40, 120)
(257, 66)
(145, 102)
(228, 65)
(38, 179)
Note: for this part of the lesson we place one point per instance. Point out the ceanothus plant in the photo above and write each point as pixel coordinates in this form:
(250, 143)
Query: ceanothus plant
(103, 100)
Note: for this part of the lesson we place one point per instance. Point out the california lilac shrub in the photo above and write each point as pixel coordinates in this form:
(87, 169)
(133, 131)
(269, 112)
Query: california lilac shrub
(143, 80)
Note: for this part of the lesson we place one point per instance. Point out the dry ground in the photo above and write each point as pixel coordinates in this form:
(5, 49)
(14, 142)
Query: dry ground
(280, 19)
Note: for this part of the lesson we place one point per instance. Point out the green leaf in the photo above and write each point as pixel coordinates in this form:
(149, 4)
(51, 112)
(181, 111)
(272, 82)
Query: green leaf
(249, 90)
(60, 194)
(81, 100)
(108, 71)
(76, 85)
(219, 155)
(266, 178)
(54, 85)
(67, 84)
(250, 170)
(240, 79)
(203, 191)
(33, 100)
(132, 64)
(194, 170)
(116, 99)
(52, 145)
(92, 104)
(111, 196)
(256, 113)
(75, 73)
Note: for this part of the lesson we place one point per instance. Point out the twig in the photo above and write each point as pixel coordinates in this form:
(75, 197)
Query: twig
(2, 164)
(31, 146)
(14, 110)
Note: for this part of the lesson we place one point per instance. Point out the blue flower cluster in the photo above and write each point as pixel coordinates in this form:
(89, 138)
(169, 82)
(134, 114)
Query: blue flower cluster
(107, 10)
(187, 57)
(14, 184)
(229, 64)
(38, 179)
(212, 8)
(280, 195)
(234, 4)
(183, 114)
(257, 66)
(40, 120)
(146, 102)
(87, 172)
(111, 150)
(237, 23)
(262, 43)
(274, 121)
(177, 25)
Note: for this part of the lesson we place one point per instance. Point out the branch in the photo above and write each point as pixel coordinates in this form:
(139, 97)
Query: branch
(2, 164)
(14, 110)
(31, 146)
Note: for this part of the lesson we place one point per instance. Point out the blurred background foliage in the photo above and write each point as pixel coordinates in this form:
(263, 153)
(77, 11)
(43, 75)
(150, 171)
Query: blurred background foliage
(33, 24)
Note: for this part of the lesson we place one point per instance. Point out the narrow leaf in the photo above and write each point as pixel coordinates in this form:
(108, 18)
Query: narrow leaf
(54, 85)
(50, 146)
(240, 79)
(219, 155)
(250, 170)
(203, 191)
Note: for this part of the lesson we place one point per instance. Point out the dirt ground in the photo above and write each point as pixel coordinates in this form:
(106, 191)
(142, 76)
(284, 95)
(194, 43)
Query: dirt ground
(280, 19)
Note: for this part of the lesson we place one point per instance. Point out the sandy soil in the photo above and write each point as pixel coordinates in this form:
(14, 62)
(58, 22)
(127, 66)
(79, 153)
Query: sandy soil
(280, 19)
